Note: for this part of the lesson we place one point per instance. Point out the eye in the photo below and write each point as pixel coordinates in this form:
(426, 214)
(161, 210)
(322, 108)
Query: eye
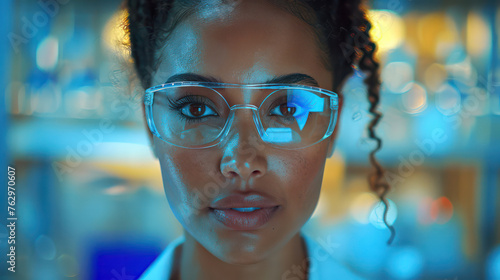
(197, 110)
(287, 110)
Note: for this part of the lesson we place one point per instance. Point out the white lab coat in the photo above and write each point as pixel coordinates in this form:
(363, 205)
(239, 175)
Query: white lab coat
(322, 264)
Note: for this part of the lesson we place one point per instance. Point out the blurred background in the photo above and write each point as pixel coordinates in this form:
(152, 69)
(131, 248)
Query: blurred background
(89, 197)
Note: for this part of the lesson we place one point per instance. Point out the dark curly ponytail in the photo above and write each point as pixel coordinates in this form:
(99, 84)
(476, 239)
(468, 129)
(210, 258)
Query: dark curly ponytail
(342, 29)
(350, 37)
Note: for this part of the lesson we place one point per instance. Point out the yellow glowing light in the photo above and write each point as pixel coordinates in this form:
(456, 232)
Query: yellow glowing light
(362, 206)
(47, 53)
(140, 172)
(388, 29)
(434, 76)
(437, 35)
(478, 35)
(114, 36)
(498, 24)
(328, 205)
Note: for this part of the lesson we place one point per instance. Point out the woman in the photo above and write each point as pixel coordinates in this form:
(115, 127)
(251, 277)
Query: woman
(242, 108)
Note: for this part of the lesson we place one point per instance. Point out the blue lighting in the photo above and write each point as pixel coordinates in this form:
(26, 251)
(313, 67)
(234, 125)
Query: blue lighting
(493, 265)
(405, 263)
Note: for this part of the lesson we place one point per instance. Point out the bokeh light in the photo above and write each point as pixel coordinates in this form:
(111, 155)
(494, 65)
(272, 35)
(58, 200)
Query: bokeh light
(45, 247)
(405, 263)
(448, 100)
(493, 265)
(461, 70)
(114, 36)
(434, 76)
(361, 207)
(424, 211)
(415, 99)
(438, 97)
(397, 76)
(441, 210)
(478, 34)
(437, 34)
(377, 214)
(388, 29)
(476, 102)
(47, 53)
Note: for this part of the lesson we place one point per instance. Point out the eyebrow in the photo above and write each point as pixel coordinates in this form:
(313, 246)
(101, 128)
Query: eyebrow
(294, 78)
(191, 77)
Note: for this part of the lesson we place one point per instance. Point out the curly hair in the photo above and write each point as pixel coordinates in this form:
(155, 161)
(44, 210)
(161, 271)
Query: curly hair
(341, 27)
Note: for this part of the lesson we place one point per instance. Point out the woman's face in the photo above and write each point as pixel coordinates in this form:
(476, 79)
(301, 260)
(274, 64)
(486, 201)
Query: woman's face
(251, 42)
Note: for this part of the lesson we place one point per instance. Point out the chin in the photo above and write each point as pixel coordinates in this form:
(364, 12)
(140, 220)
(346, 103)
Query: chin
(242, 258)
(238, 252)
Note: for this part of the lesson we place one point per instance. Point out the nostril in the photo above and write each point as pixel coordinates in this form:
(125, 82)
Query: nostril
(244, 174)
(232, 174)
(256, 173)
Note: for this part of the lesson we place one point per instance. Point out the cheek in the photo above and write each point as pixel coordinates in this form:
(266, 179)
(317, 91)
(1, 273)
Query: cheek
(299, 174)
(303, 172)
(185, 174)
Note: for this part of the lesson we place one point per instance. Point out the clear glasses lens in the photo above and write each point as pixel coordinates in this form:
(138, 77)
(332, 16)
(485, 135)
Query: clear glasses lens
(189, 116)
(195, 116)
(295, 117)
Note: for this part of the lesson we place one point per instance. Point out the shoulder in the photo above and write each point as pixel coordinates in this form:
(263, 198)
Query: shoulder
(322, 263)
(161, 268)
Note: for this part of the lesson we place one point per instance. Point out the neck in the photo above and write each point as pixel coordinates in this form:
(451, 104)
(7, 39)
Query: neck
(197, 263)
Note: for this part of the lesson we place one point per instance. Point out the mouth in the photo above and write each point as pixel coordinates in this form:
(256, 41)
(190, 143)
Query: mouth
(243, 218)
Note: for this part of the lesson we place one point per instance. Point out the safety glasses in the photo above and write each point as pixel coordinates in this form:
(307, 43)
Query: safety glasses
(195, 115)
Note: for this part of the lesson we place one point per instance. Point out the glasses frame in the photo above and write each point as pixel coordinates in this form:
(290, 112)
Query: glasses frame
(150, 92)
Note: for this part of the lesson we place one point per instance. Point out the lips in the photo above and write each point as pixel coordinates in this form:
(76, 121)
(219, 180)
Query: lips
(243, 212)
(244, 201)
(244, 221)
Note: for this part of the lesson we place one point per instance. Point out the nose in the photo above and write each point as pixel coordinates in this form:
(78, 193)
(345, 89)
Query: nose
(243, 150)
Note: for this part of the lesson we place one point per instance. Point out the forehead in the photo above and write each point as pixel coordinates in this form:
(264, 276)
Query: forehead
(243, 42)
